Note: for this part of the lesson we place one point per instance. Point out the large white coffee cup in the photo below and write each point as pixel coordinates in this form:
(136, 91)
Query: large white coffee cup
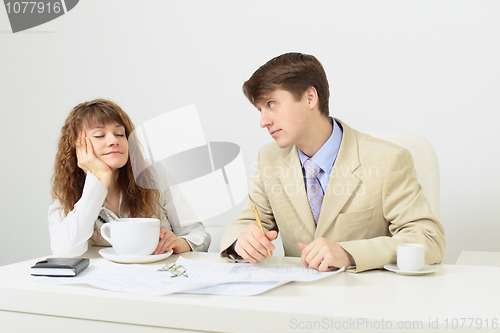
(132, 236)
(411, 257)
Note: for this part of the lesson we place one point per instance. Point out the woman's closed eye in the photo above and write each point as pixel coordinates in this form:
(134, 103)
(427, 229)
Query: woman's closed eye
(98, 136)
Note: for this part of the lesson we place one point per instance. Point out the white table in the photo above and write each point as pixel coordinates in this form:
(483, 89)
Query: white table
(479, 258)
(343, 302)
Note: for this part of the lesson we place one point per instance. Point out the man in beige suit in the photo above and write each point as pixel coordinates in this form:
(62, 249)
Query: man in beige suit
(339, 198)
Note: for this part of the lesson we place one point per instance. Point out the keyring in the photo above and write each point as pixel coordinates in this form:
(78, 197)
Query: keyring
(176, 270)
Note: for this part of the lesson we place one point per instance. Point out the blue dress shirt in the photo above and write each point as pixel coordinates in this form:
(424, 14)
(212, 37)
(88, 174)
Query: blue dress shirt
(325, 157)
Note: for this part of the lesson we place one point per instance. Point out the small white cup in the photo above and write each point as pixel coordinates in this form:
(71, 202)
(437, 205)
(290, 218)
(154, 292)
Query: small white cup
(132, 236)
(411, 257)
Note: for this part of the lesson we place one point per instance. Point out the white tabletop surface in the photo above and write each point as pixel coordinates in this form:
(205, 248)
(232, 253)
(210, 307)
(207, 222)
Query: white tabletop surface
(347, 299)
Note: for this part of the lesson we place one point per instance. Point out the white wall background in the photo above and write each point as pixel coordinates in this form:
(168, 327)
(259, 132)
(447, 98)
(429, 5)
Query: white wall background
(426, 67)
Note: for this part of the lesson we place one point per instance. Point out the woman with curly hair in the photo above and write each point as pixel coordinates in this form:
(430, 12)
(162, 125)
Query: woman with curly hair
(93, 183)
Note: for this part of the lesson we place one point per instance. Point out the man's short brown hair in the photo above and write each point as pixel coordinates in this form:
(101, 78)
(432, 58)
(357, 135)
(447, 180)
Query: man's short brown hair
(293, 72)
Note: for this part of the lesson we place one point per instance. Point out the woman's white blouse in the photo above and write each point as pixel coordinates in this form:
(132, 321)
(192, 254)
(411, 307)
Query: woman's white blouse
(71, 235)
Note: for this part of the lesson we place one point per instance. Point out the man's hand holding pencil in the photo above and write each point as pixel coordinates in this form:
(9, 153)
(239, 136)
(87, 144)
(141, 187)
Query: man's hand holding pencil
(254, 244)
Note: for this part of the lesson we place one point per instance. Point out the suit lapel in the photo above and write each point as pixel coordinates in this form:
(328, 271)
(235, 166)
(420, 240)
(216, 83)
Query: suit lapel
(293, 184)
(342, 181)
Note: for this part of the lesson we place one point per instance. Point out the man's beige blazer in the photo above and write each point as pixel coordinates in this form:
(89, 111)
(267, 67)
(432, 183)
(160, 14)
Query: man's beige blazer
(373, 202)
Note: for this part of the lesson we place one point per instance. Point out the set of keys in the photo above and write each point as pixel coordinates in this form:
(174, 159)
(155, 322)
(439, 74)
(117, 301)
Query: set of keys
(176, 270)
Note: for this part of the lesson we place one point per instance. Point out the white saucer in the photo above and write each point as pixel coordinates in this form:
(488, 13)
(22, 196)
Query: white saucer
(110, 254)
(426, 270)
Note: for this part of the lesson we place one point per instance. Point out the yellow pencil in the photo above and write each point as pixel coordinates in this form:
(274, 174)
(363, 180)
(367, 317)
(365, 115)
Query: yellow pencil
(259, 223)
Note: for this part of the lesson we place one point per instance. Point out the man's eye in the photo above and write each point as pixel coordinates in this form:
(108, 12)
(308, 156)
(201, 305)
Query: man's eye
(271, 105)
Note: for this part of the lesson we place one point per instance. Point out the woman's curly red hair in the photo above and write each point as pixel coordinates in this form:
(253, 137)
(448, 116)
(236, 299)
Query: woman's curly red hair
(68, 179)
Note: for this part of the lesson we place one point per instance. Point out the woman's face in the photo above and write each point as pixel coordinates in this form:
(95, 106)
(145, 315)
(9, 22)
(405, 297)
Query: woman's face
(110, 144)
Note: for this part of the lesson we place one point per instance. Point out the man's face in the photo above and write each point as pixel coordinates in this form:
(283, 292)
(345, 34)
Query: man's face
(286, 119)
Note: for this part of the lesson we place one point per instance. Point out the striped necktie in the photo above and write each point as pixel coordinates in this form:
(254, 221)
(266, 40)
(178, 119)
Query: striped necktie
(313, 187)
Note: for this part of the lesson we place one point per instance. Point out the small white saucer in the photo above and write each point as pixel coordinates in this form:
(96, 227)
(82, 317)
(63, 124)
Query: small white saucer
(426, 270)
(110, 254)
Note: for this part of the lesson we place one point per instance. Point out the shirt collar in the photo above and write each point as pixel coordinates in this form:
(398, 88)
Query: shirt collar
(326, 155)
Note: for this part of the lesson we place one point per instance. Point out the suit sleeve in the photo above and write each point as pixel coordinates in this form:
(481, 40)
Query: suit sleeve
(410, 219)
(258, 197)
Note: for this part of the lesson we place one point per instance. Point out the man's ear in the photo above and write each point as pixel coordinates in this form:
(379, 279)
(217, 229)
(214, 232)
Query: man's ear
(311, 96)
